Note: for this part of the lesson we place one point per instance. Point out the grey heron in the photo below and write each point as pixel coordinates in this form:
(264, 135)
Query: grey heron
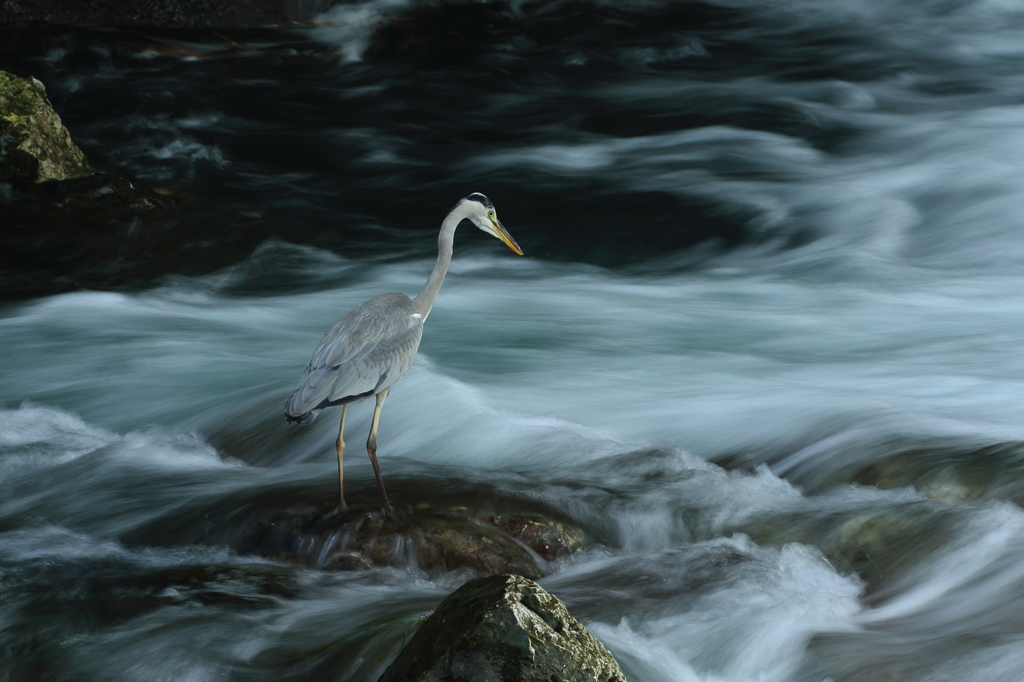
(372, 347)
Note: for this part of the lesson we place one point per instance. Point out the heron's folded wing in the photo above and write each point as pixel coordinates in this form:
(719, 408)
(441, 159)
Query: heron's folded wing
(379, 367)
(375, 340)
(363, 328)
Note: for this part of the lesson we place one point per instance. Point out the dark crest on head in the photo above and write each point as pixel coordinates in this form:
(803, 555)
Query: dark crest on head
(476, 196)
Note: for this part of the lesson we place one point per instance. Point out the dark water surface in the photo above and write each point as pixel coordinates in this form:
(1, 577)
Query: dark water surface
(764, 346)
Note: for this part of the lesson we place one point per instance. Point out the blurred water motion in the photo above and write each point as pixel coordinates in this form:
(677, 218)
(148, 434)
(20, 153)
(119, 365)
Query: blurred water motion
(764, 347)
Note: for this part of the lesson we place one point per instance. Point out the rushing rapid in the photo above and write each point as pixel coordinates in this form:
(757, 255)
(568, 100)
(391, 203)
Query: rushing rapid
(764, 346)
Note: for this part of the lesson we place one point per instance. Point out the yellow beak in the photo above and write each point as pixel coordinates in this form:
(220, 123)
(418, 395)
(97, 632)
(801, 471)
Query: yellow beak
(501, 233)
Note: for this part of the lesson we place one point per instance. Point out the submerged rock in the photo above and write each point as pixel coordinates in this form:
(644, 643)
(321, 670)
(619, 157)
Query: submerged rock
(503, 628)
(880, 543)
(433, 540)
(951, 472)
(34, 144)
(866, 542)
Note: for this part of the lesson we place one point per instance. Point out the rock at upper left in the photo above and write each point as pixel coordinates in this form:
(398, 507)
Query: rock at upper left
(34, 145)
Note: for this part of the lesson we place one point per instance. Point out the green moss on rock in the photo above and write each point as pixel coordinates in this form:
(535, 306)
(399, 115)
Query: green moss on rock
(34, 145)
(503, 628)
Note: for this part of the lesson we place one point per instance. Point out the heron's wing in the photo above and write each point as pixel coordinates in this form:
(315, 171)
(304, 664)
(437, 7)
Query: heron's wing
(371, 346)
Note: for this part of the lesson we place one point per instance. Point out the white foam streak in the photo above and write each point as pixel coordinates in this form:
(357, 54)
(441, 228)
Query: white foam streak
(945, 192)
(351, 26)
(526, 367)
(961, 582)
(754, 627)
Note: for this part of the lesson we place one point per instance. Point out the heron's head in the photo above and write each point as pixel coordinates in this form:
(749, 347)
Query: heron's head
(481, 212)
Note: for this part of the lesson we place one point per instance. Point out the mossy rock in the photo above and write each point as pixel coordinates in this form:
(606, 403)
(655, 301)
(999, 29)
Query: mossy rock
(503, 628)
(34, 144)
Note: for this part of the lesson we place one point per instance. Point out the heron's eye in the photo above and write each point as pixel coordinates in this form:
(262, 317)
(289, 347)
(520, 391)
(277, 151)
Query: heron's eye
(490, 214)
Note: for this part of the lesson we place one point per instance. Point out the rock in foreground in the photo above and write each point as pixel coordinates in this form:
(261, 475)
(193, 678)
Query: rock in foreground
(433, 540)
(501, 629)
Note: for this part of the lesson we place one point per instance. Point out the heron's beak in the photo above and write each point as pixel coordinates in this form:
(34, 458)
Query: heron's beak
(501, 233)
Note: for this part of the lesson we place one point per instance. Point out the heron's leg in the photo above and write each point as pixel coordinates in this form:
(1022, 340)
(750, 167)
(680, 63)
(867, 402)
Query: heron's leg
(340, 446)
(371, 449)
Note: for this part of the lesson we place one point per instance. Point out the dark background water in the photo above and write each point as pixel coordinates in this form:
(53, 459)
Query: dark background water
(283, 140)
(763, 345)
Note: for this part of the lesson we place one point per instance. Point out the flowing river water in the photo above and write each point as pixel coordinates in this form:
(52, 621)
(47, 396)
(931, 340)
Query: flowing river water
(764, 346)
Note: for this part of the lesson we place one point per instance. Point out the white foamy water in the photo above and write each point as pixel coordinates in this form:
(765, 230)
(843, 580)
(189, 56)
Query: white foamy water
(549, 382)
(515, 364)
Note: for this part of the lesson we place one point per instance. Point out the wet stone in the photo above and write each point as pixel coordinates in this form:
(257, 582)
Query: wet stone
(433, 540)
(549, 538)
(347, 561)
(100, 193)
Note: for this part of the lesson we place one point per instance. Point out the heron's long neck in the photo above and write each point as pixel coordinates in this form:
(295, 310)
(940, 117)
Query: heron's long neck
(425, 300)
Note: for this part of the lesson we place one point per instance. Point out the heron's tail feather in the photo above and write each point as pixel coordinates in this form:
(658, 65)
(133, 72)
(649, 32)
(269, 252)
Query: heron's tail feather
(297, 410)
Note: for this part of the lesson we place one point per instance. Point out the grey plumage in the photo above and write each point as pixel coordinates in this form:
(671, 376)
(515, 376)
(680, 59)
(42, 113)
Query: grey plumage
(364, 353)
(373, 346)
